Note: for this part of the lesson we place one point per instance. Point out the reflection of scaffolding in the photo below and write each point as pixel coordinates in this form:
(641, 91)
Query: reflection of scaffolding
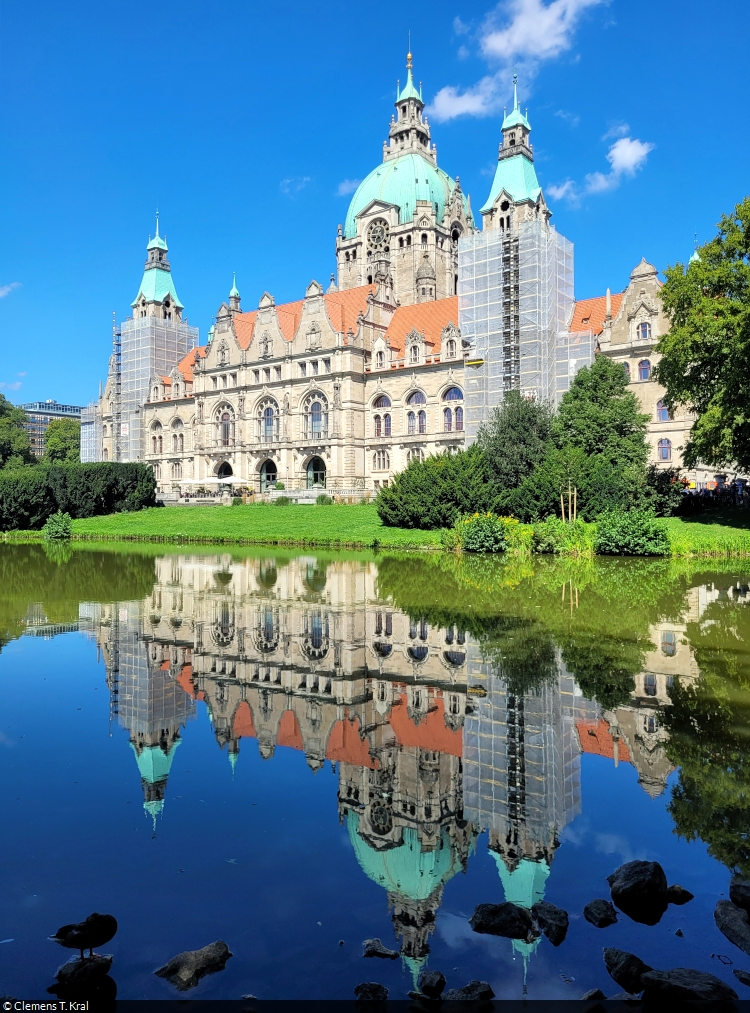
(515, 302)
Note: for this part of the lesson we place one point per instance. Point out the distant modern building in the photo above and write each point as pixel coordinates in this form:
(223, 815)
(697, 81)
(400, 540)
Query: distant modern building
(39, 414)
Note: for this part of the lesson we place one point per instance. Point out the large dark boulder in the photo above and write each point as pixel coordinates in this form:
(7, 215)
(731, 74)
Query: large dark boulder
(600, 913)
(553, 921)
(506, 919)
(431, 983)
(625, 968)
(639, 889)
(84, 972)
(742, 976)
(374, 948)
(684, 983)
(733, 922)
(475, 990)
(594, 993)
(371, 991)
(739, 892)
(186, 969)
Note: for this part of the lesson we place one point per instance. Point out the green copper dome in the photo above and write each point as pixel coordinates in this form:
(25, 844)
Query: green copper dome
(517, 176)
(401, 181)
(405, 869)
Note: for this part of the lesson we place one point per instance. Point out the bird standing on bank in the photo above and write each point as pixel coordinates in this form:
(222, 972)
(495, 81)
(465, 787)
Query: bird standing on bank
(95, 931)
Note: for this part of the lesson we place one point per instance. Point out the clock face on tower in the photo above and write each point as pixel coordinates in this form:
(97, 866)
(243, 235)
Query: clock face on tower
(377, 234)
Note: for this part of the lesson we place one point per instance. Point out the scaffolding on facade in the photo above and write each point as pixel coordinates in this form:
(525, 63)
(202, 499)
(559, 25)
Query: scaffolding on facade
(515, 302)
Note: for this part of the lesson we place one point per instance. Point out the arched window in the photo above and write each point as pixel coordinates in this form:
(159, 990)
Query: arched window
(664, 450)
(380, 359)
(414, 353)
(459, 420)
(450, 349)
(415, 455)
(663, 413)
(453, 394)
(408, 240)
(176, 470)
(268, 475)
(386, 425)
(316, 473)
(411, 423)
(225, 428)
(447, 420)
(378, 426)
(381, 461)
(105, 454)
(644, 369)
(422, 422)
(626, 370)
(178, 439)
(382, 402)
(316, 417)
(644, 331)
(424, 239)
(267, 415)
(416, 397)
(401, 242)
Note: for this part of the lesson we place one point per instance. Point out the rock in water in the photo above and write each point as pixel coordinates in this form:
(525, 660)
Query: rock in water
(743, 976)
(371, 991)
(600, 913)
(739, 892)
(84, 972)
(684, 983)
(733, 922)
(640, 890)
(678, 894)
(186, 969)
(431, 983)
(506, 919)
(374, 948)
(625, 968)
(553, 921)
(594, 993)
(475, 990)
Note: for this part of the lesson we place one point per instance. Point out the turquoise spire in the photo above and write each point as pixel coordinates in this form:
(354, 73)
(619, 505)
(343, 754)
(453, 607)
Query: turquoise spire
(233, 292)
(696, 257)
(157, 243)
(409, 91)
(516, 118)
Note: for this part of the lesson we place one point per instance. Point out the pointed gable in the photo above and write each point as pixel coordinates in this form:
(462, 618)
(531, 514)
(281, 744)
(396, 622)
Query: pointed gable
(430, 318)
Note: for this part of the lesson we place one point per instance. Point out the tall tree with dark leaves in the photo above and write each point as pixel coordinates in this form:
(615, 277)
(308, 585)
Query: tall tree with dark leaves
(15, 447)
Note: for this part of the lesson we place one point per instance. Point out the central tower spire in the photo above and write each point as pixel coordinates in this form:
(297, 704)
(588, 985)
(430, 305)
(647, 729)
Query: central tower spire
(409, 131)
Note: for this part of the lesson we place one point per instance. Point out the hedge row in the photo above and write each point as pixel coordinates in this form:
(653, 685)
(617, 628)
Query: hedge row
(29, 496)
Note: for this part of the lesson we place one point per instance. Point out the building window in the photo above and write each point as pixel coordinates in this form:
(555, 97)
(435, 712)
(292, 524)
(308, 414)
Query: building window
(401, 242)
(459, 420)
(104, 430)
(277, 370)
(314, 365)
(664, 450)
(215, 382)
(256, 376)
(327, 365)
(414, 455)
(225, 429)
(234, 379)
(176, 470)
(224, 380)
(386, 425)
(303, 369)
(381, 461)
(644, 369)
(105, 454)
(417, 397)
(377, 422)
(316, 417)
(626, 370)
(408, 240)
(379, 359)
(411, 423)
(266, 375)
(663, 413)
(383, 401)
(644, 331)
(447, 420)
(268, 421)
(453, 394)
(669, 643)
(649, 723)
(450, 349)
(424, 239)
(649, 684)
(414, 353)
(422, 422)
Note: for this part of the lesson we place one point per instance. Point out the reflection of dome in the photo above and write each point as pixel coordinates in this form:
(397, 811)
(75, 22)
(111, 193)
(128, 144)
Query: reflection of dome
(405, 869)
(401, 181)
(154, 765)
(524, 887)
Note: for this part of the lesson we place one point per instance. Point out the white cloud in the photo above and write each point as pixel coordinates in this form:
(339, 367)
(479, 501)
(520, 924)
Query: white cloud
(570, 118)
(616, 130)
(463, 53)
(293, 184)
(460, 27)
(16, 385)
(626, 156)
(347, 186)
(7, 289)
(517, 33)
(563, 191)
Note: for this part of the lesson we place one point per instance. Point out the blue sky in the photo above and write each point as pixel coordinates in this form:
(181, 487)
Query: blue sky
(247, 123)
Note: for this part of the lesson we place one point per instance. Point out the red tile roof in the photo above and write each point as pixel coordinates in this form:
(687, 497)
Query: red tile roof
(595, 737)
(185, 365)
(431, 732)
(346, 744)
(290, 733)
(242, 723)
(588, 314)
(430, 318)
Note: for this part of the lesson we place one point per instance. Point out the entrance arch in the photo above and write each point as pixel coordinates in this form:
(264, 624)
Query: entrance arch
(268, 475)
(224, 470)
(316, 473)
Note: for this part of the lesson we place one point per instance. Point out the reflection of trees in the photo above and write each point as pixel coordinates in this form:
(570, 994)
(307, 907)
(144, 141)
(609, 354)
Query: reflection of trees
(708, 725)
(604, 667)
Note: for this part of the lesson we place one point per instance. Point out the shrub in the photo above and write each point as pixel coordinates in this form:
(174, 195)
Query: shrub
(282, 501)
(58, 527)
(237, 501)
(483, 533)
(324, 500)
(437, 492)
(280, 486)
(554, 535)
(635, 533)
(28, 497)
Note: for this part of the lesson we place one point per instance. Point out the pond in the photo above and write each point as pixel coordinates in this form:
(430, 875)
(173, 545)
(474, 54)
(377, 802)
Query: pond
(297, 752)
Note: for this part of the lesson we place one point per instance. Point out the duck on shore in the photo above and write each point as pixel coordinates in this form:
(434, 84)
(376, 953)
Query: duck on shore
(96, 930)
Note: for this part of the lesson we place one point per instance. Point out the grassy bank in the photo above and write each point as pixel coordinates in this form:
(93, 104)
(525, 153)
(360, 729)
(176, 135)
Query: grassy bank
(357, 527)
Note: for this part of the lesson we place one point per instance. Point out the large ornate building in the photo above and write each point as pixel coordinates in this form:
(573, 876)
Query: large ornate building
(428, 323)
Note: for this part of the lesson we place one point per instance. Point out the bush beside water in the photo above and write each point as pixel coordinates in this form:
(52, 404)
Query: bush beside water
(636, 533)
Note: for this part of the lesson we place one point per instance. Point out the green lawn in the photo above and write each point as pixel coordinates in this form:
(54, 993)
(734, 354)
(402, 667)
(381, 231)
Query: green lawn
(262, 524)
(703, 538)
